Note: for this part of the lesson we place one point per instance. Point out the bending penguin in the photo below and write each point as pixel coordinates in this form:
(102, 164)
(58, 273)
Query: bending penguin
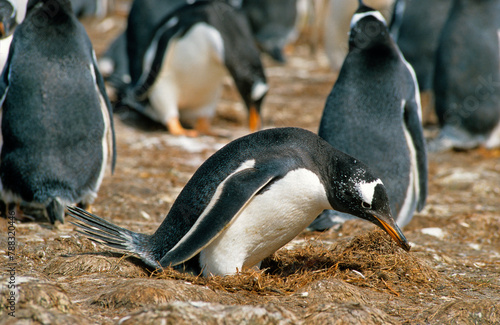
(373, 114)
(57, 127)
(249, 199)
(467, 77)
(185, 64)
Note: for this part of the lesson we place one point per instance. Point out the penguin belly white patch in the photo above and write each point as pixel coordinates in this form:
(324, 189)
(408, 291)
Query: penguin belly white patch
(270, 220)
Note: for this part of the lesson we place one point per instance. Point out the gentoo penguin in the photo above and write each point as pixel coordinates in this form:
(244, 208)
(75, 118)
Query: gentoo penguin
(419, 41)
(273, 24)
(143, 17)
(185, 64)
(373, 114)
(336, 27)
(467, 77)
(8, 22)
(249, 199)
(57, 126)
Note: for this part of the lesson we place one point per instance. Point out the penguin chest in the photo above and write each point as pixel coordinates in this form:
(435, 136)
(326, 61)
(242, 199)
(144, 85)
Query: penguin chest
(4, 50)
(193, 69)
(269, 220)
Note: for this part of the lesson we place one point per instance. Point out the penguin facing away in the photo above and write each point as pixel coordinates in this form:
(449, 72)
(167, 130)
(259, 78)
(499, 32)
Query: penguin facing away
(467, 77)
(373, 114)
(191, 52)
(57, 127)
(418, 42)
(249, 199)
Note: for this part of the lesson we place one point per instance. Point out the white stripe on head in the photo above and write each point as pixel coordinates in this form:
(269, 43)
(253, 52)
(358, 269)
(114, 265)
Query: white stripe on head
(366, 190)
(357, 17)
(259, 89)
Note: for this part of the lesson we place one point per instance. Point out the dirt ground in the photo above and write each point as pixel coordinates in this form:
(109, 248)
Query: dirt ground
(349, 275)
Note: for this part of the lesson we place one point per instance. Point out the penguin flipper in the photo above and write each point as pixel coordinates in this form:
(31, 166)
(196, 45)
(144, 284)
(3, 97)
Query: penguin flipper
(230, 198)
(413, 124)
(106, 110)
(153, 58)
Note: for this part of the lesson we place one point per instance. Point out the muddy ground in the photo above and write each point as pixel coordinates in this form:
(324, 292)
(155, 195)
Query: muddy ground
(350, 275)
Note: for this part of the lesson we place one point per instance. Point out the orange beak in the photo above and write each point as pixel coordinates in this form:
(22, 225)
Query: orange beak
(2, 29)
(254, 119)
(395, 232)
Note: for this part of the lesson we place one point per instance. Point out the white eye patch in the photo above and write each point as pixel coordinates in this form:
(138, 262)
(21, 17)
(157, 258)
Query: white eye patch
(358, 17)
(367, 190)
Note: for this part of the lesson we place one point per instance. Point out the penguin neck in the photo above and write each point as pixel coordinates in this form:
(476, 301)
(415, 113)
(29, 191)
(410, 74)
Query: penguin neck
(54, 12)
(376, 51)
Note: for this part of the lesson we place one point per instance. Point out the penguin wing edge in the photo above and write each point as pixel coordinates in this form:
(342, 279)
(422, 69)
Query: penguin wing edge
(414, 126)
(230, 198)
(107, 110)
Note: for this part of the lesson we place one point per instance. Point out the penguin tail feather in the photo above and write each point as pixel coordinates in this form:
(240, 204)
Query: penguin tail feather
(105, 233)
(55, 210)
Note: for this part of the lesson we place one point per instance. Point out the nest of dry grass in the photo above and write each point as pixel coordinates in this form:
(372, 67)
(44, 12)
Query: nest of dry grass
(369, 260)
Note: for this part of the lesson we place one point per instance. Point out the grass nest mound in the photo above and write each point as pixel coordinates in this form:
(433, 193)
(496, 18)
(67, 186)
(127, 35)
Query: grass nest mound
(369, 260)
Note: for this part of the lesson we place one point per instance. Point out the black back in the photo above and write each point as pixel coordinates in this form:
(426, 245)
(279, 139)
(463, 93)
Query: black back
(275, 151)
(52, 123)
(418, 36)
(467, 74)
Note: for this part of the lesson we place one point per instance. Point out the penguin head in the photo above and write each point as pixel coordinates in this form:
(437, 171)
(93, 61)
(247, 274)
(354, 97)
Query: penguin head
(368, 29)
(250, 80)
(357, 191)
(7, 18)
(253, 101)
(49, 9)
(242, 59)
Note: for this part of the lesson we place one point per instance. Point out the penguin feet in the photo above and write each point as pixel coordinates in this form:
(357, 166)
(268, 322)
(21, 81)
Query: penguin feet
(175, 128)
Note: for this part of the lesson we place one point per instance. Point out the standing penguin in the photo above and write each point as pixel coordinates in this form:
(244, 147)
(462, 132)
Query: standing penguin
(373, 114)
(467, 77)
(418, 42)
(186, 61)
(249, 199)
(57, 125)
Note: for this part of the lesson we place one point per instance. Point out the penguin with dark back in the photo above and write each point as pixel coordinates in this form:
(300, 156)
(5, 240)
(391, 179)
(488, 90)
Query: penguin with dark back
(249, 199)
(183, 67)
(373, 114)
(57, 126)
(467, 77)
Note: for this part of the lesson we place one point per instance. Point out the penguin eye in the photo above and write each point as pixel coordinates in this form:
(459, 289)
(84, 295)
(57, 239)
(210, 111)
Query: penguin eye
(366, 205)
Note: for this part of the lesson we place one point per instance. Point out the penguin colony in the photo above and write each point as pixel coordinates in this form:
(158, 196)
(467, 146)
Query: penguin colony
(258, 192)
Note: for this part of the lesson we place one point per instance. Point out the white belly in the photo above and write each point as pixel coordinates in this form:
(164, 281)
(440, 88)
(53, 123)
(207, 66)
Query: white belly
(269, 221)
(4, 51)
(190, 80)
